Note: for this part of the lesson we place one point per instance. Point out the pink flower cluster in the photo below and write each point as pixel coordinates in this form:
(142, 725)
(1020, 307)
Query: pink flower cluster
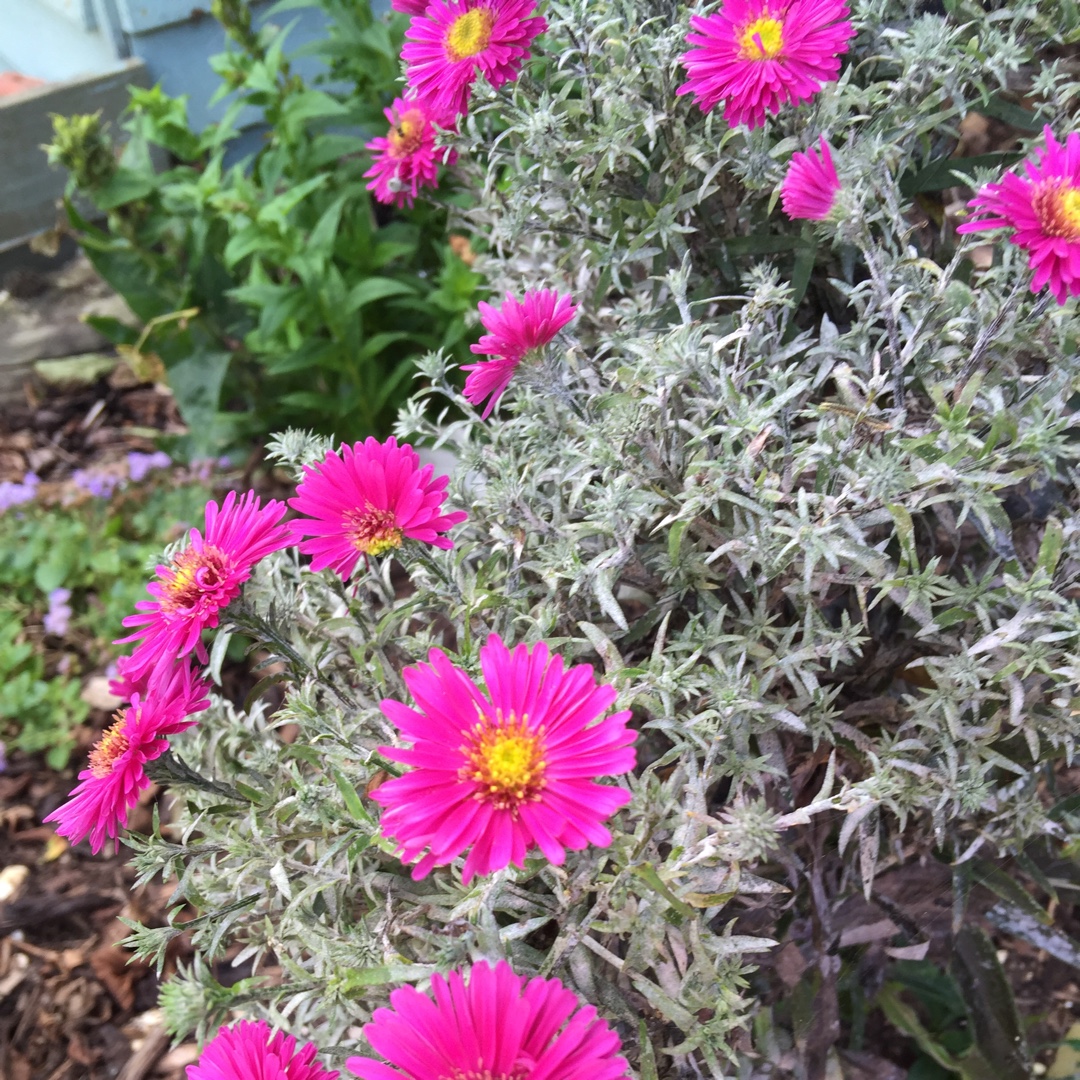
(366, 500)
(449, 44)
(483, 1022)
(757, 55)
(499, 773)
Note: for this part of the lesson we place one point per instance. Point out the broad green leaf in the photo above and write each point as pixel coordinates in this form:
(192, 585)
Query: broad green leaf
(1053, 542)
(995, 1021)
(196, 383)
(376, 288)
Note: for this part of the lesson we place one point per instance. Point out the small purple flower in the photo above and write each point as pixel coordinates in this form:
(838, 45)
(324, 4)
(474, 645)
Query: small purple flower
(140, 464)
(3, 758)
(14, 494)
(56, 618)
(99, 485)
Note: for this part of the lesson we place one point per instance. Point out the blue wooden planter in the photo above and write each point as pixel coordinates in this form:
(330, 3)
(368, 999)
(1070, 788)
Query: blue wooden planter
(87, 50)
(58, 40)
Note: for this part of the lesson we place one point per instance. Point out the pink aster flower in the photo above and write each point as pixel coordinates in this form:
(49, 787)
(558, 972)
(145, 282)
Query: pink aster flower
(201, 580)
(514, 330)
(407, 159)
(366, 501)
(410, 7)
(110, 787)
(504, 772)
(1043, 210)
(810, 186)
(454, 39)
(758, 54)
(248, 1051)
(123, 685)
(497, 1024)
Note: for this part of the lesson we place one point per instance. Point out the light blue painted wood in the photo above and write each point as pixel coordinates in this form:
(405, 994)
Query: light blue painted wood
(83, 43)
(43, 42)
(80, 12)
(50, 39)
(177, 56)
(108, 22)
(141, 16)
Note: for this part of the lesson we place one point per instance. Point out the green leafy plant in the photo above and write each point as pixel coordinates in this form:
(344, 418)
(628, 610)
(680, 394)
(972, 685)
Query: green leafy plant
(964, 1022)
(267, 282)
(99, 551)
(42, 711)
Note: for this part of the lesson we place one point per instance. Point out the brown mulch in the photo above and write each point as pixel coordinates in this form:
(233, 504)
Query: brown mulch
(73, 1003)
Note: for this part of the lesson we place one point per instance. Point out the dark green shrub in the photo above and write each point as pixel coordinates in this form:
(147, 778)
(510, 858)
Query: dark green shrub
(271, 287)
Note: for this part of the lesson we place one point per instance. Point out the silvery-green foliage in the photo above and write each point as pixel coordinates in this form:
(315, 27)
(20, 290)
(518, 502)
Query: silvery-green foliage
(794, 490)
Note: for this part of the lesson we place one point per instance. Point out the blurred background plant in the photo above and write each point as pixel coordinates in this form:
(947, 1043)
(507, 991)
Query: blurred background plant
(270, 288)
(70, 570)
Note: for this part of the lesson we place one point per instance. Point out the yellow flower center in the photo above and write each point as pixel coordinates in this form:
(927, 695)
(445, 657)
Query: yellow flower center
(110, 746)
(193, 573)
(372, 531)
(405, 137)
(469, 34)
(507, 757)
(518, 1072)
(762, 39)
(1057, 205)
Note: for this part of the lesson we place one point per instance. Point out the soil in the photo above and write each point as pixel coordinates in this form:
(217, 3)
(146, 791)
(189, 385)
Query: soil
(72, 1004)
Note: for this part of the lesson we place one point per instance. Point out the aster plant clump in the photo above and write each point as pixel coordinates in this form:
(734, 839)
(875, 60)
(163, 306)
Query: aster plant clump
(750, 593)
